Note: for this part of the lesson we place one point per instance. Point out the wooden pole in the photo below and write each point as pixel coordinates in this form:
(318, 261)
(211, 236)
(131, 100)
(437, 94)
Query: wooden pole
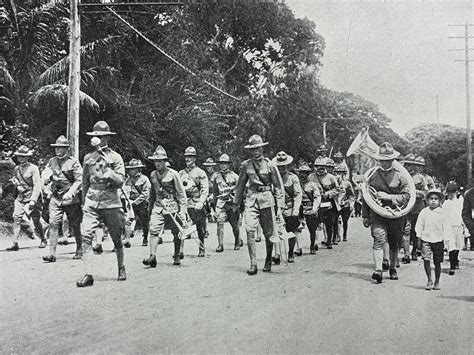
(73, 102)
(468, 108)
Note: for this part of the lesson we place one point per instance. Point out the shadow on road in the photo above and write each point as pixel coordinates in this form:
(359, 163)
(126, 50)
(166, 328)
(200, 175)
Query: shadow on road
(365, 277)
(415, 287)
(369, 266)
(460, 298)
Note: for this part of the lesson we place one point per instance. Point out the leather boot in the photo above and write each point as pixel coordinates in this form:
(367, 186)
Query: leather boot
(98, 249)
(393, 274)
(78, 254)
(220, 238)
(14, 247)
(145, 242)
(43, 243)
(49, 258)
(122, 275)
(151, 261)
(202, 252)
(220, 248)
(252, 271)
(377, 276)
(268, 265)
(87, 280)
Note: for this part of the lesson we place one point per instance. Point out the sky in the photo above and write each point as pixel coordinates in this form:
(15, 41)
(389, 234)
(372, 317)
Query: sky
(395, 54)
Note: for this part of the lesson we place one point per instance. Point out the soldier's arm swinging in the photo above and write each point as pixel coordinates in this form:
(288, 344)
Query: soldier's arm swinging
(37, 185)
(76, 185)
(241, 183)
(144, 193)
(297, 198)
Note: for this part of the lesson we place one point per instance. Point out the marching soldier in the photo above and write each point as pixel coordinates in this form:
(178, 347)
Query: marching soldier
(393, 191)
(420, 163)
(29, 200)
(346, 203)
(167, 205)
(264, 187)
(196, 185)
(322, 151)
(102, 181)
(293, 197)
(65, 176)
(339, 160)
(328, 188)
(311, 199)
(330, 166)
(139, 194)
(210, 207)
(225, 181)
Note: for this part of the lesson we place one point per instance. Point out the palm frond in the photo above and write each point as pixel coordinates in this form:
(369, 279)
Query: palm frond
(50, 97)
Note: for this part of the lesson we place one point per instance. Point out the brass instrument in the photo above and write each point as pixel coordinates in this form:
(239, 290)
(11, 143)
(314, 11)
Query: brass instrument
(364, 145)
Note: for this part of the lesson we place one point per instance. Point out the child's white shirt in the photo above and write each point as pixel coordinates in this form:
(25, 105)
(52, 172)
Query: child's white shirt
(432, 225)
(453, 209)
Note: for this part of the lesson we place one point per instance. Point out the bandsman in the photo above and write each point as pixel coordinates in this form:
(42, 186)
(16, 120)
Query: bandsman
(346, 202)
(330, 166)
(264, 188)
(393, 191)
(210, 207)
(167, 204)
(196, 185)
(327, 185)
(322, 151)
(420, 165)
(225, 182)
(102, 181)
(29, 201)
(311, 199)
(65, 176)
(339, 160)
(293, 197)
(140, 187)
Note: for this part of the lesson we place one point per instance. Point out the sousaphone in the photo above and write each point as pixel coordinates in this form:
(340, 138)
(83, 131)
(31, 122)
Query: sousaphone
(364, 145)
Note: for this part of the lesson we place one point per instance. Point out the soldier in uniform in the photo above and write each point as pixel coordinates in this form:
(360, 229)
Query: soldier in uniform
(210, 207)
(29, 200)
(225, 181)
(323, 151)
(65, 175)
(420, 163)
(293, 197)
(330, 166)
(339, 160)
(346, 203)
(393, 191)
(310, 201)
(264, 187)
(139, 194)
(196, 185)
(328, 187)
(167, 204)
(102, 181)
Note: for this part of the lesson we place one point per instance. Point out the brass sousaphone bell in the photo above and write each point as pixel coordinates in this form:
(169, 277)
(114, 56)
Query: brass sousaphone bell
(364, 145)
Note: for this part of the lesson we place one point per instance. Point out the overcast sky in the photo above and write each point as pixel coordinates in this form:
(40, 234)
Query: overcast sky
(395, 53)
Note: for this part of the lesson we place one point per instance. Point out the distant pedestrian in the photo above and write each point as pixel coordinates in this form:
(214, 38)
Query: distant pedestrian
(453, 208)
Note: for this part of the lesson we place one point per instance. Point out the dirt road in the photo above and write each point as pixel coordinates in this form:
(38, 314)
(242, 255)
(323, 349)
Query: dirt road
(324, 303)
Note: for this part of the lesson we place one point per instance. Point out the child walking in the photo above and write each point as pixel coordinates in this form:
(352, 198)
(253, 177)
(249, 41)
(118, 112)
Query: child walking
(432, 230)
(452, 207)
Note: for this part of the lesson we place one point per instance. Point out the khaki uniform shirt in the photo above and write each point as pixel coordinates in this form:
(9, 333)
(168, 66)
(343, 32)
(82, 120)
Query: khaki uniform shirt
(261, 192)
(196, 185)
(99, 192)
(167, 192)
(140, 187)
(326, 183)
(349, 195)
(64, 174)
(28, 182)
(421, 186)
(311, 198)
(224, 187)
(293, 194)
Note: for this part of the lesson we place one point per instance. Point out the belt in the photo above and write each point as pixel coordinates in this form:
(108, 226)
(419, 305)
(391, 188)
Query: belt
(260, 188)
(104, 186)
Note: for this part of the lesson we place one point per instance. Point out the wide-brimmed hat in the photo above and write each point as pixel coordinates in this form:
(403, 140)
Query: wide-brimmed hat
(23, 151)
(255, 141)
(409, 159)
(338, 154)
(330, 162)
(61, 142)
(159, 154)
(224, 158)
(386, 152)
(134, 164)
(320, 161)
(341, 168)
(209, 162)
(322, 148)
(101, 128)
(304, 167)
(452, 186)
(282, 159)
(435, 192)
(419, 161)
(190, 152)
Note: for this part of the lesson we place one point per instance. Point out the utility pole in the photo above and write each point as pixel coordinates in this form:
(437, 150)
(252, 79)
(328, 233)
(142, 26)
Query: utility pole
(74, 88)
(466, 61)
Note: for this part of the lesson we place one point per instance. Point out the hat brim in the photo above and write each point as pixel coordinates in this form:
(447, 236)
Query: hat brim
(134, 166)
(23, 154)
(304, 170)
(154, 157)
(60, 145)
(100, 133)
(392, 156)
(210, 164)
(253, 146)
(190, 155)
(287, 161)
(437, 193)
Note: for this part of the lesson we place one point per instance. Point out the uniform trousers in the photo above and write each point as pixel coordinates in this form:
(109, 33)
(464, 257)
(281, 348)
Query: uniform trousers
(253, 216)
(232, 215)
(312, 222)
(345, 213)
(328, 216)
(160, 221)
(142, 214)
(20, 218)
(385, 230)
(199, 219)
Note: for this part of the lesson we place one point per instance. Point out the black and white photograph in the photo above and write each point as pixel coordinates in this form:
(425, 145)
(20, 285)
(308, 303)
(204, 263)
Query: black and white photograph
(236, 177)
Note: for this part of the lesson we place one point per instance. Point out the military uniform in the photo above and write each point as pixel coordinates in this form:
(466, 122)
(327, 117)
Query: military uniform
(264, 187)
(224, 185)
(140, 187)
(103, 178)
(328, 187)
(65, 176)
(196, 185)
(348, 198)
(311, 199)
(27, 180)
